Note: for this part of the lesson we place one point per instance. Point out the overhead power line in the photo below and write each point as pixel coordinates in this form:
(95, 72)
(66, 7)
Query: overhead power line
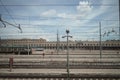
(21, 17)
(41, 17)
(5, 22)
(58, 5)
(7, 11)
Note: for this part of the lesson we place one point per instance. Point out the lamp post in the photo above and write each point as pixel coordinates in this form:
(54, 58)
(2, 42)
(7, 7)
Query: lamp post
(68, 72)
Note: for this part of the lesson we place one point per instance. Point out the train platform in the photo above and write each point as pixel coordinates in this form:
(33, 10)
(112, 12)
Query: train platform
(59, 72)
(76, 71)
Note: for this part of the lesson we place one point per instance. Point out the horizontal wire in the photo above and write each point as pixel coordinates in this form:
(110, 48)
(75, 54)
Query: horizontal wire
(41, 17)
(8, 12)
(52, 34)
(59, 5)
(93, 20)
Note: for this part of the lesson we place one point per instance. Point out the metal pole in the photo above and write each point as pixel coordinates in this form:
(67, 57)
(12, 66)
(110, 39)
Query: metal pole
(100, 40)
(0, 41)
(119, 19)
(68, 72)
(57, 43)
(12, 47)
(11, 63)
(28, 46)
(67, 58)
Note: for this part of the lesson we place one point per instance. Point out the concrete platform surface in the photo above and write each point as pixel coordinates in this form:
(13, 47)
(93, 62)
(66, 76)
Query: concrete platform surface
(75, 71)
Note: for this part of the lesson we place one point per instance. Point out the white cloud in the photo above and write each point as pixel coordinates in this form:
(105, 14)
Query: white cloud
(49, 13)
(64, 15)
(90, 12)
(84, 7)
(84, 10)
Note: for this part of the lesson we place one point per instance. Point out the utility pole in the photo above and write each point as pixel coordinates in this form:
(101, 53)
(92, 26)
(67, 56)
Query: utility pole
(119, 19)
(68, 72)
(100, 40)
(0, 41)
(12, 46)
(28, 46)
(57, 42)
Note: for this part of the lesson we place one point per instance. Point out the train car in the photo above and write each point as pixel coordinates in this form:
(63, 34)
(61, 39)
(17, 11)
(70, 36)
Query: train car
(37, 51)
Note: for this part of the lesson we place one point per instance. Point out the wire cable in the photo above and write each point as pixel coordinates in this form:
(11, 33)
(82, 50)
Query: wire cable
(59, 5)
(8, 11)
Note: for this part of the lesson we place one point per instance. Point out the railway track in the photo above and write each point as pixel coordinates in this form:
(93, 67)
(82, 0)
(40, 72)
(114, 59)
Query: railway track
(34, 62)
(61, 64)
(59, 61)
(60, 77)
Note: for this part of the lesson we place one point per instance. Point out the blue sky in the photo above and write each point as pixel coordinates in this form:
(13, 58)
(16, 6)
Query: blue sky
(42, 18)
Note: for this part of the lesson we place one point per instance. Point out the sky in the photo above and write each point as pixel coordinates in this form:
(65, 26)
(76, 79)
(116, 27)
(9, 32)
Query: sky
(44, 18)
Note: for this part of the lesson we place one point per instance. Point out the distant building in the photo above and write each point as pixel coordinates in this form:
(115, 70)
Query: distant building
(22, 45)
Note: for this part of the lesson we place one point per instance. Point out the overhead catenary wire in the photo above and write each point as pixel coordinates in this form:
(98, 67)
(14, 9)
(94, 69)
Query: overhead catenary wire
(7, 11)
(3, 22)
(25, 17)
(62, 4)
(57, 5)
